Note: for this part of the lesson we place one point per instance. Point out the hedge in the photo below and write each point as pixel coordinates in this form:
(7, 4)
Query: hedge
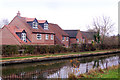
(9, 50)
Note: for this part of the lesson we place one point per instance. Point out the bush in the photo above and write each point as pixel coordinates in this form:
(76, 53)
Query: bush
(52, 49)
(29, 49)
(8, 50)
(75, 47)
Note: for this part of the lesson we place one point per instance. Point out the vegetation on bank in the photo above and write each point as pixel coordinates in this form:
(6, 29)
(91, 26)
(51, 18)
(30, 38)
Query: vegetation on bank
(52, 55)
(12, 50)
(110, 72)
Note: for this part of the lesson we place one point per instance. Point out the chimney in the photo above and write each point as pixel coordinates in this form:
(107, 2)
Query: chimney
(18, 14)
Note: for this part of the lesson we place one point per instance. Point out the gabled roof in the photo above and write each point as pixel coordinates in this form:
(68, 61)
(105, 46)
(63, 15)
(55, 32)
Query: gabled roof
(29, 19)
(89, 35)
(72, 33)
(42, 21)
(12, 31)
(57, 30)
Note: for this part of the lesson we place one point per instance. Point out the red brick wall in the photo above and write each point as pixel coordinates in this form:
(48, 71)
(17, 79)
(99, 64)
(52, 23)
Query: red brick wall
(7, 38)
(65, 42)
(43, 40)
(74, 40)
(79, 36)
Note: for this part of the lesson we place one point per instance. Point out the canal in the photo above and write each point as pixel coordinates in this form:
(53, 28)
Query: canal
(58, 68)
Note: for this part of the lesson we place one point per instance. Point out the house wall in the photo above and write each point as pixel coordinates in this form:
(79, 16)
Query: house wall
(65, 42)
(79, 36)
(74, 40)
(43, 41)
(7, 38)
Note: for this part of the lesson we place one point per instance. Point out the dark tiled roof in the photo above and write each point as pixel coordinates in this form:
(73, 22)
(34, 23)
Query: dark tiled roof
(88, 35)
(72, 33)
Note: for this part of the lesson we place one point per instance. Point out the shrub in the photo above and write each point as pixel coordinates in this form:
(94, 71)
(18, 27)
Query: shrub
(29, 49)
(52, 49)
(74, 47)
(8, 50)
(43, 49)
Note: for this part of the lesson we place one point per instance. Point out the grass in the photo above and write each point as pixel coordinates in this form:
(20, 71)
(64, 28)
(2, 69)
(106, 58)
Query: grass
(53, 55)
(111, 72)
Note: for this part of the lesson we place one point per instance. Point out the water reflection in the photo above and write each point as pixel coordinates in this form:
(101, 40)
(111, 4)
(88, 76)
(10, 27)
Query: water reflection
(58, 69)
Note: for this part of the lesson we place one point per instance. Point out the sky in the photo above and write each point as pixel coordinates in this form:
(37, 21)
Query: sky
(68, 14)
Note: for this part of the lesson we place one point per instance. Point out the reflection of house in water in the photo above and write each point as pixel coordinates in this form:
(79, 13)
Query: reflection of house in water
(58, 69)
(83, 67)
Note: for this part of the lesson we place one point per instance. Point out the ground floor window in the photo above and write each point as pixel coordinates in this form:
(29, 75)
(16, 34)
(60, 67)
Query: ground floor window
(39, 36)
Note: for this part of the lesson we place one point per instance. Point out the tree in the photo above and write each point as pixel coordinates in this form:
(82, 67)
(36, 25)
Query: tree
(3, 22)
(103, 25)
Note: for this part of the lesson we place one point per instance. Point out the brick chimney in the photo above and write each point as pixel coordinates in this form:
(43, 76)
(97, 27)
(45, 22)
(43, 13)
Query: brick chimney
(18, 14)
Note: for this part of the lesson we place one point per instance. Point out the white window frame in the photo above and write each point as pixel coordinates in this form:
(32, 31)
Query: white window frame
(45, 26)
(39, 36)
(66, 38)
(51, 36)
(35, 25)
(77, 40)
(83, 40)
(46, 36)
(63, 38)
(23, 37)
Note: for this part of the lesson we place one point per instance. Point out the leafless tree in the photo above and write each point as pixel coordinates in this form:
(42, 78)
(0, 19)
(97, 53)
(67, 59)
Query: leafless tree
(3, 22)
(104, 25)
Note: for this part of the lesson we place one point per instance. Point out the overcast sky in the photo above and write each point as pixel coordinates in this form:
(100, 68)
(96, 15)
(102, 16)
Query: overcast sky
(68, 14)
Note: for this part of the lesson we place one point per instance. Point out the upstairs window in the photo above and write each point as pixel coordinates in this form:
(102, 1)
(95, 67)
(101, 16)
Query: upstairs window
(77, 40)
(35, 25)
(39, 36)
(23, 37)
(46, 37)
(51, 36)
(46, 26)
(66, 38)
(63, 38)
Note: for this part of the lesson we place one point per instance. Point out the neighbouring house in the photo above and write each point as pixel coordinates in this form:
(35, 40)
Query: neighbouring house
(88, 36)
(79, 37)
(75, 36)
(61, 37)
(23, 30)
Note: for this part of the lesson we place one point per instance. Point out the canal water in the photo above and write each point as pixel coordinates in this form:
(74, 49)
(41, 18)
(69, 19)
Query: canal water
(58, 68)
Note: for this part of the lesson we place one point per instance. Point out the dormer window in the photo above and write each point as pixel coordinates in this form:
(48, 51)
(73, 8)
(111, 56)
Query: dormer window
(23, 37)
(35, 25)
(46, 26)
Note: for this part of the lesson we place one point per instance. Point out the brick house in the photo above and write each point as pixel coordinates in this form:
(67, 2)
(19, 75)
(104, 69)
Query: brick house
(89, 36)
(23, 30)
(79, 37)
(75, 36)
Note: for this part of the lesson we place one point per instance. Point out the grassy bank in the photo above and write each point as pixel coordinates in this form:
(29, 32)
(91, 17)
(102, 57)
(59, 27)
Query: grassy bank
(52, 55)
(110, 72)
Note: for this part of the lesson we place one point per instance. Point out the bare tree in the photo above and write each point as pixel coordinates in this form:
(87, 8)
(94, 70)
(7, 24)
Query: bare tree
(103, 25)
(3, 22)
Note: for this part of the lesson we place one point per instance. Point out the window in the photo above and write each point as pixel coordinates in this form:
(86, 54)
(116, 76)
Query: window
(35, 25)
(51, 36)
(39, 36)
(23, 37)
(46, 26)
(46, 37)
(63, 38)
(66, 38)
(83, 40)
(77, 40)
